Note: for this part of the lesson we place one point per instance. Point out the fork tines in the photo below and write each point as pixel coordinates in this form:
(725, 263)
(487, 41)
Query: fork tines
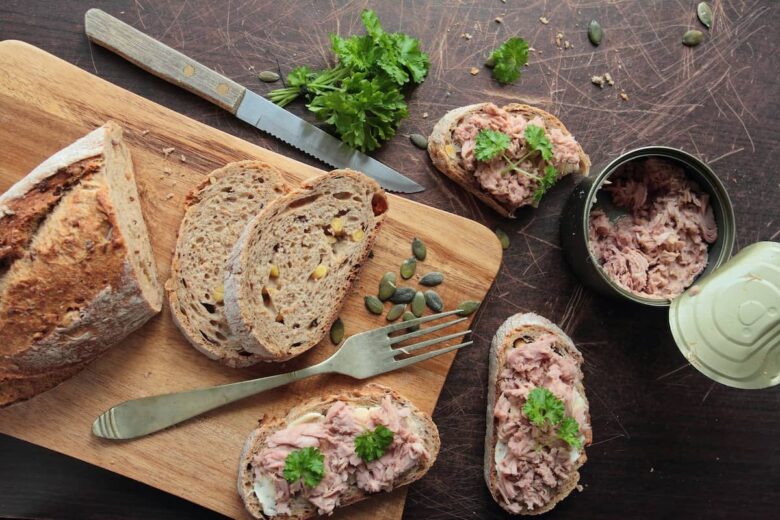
(426, 331)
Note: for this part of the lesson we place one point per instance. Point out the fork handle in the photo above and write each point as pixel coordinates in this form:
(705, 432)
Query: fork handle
(139, 417)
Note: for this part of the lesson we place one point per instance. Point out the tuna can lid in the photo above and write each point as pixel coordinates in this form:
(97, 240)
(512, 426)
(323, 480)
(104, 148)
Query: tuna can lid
(728, 323)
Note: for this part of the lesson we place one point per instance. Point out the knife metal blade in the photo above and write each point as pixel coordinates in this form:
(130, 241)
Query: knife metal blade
(252, 108)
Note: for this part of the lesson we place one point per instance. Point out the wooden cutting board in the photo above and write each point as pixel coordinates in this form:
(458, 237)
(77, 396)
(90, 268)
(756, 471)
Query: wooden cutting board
(45, 104)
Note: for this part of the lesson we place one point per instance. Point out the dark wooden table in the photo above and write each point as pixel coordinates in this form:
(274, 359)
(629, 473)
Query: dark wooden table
(668, 442)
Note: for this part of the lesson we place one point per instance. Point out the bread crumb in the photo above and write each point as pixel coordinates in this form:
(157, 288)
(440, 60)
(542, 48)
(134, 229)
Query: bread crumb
(608, 79)
(597, 80)
(466, 36)
(183, 159)
(144, 132)
(559, 39)
(652, 469)
(447, 94)
(624, 96)
(474, 71)
(499, 19)
(425, 115)
(567, 44)
(544, 20)
(580, 488)
(167, 170)
(169, 196)
(168, 151)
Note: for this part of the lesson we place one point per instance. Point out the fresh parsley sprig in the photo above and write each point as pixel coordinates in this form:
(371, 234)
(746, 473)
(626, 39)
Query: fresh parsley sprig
(306, 464)
(508, 59)
(547, 412)
(361, 96)
(371, 445)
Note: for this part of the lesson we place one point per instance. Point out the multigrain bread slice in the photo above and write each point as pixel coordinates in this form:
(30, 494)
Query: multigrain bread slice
(216, 212)
(513, 333)
(77, 272)
(370, 395)
(445, 153)
(292, 267)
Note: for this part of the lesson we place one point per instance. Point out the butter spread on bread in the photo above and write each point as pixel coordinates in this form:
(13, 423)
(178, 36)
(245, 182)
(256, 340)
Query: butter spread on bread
(76, 267)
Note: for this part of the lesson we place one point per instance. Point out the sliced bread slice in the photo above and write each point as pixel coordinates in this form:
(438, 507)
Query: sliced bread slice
(77, 273)
(515, 332)
(290, 270)
(216, 212)
(370, 396)
(446, 153)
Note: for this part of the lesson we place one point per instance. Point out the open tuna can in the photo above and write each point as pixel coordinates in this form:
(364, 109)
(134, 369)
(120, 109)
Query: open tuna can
(656, 227)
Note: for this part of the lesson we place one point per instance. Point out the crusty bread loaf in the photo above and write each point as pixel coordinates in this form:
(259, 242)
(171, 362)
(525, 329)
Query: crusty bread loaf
(76, 267)
(370, 395)
(290, 270)
(526, 328)
(216, 212)
(445, 154)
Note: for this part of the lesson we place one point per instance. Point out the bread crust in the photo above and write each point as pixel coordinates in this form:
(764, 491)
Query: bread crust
(445, 155)
(515, 327)
(56, 321)
(370, 395)
(227, 356)
(239, 317)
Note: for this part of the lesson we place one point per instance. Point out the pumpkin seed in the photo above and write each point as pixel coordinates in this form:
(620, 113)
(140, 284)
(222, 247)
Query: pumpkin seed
(395, 311)
(386, 290)
(409, 316)
(418, 303)
(420, 141)
(692, 38)
(432, 279)
(503, 238)
(388, 276)
(704, 12)
(402, 295)
(337, 331)
(373, 304)
(433, 300)
(418, 249)
(468, 307)
(268, 76)
(408, 267)
(595, 32)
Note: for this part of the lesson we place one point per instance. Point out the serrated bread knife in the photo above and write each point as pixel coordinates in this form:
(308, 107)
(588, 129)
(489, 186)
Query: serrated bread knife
(174, 67)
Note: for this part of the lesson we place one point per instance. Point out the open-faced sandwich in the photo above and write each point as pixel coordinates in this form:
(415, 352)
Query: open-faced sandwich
(507, 157)
(333, 451)
(293, 265)
(538, 422)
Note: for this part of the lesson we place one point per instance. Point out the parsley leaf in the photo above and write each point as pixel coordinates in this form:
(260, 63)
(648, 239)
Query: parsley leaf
(364, 111)
(537, 140)
(490, 144)
(307, 464)
(299, 77)
(547, 182)
(508, 59)
(569, 432)
(542, 407)
(372, 445)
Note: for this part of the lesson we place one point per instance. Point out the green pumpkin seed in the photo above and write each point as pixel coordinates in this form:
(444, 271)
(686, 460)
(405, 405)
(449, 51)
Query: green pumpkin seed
(420, 141)
(409, 316)
(704, 12)
(408, 267)
(268, 76)
(595, 32)
(692, 38)
(403, 295)
(388, 276)
(337, 331)
(386, 290)
(418, 249)
(503, 238)
(418, 303)
(373, 304)
(468, 307)
(433, 300)
(395, 311)
(432, 279)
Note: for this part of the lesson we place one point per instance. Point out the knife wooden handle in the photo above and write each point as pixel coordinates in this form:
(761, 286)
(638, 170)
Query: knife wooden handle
(162, 61)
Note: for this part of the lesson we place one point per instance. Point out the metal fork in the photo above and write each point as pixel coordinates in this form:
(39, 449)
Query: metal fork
(363, 355)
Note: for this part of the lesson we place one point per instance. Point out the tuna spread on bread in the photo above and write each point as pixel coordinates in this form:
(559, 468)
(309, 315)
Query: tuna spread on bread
(333, 435)
(659, 249)
(520, 185)
(539, 393)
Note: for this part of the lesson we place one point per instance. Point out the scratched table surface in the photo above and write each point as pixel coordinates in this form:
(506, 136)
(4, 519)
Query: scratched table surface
(668, 442)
